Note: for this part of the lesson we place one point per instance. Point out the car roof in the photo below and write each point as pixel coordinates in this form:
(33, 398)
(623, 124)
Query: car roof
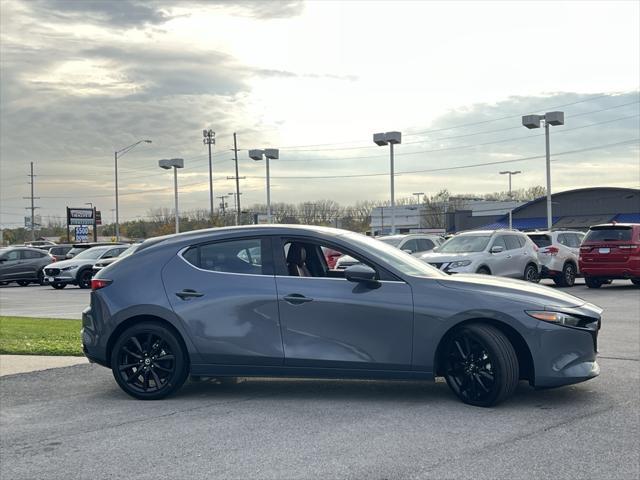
(22, 247)
(624, 225)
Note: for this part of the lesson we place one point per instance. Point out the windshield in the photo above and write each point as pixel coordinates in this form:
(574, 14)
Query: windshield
(465, 244)
(609, 234)
(402, 261)
(91, 253)
(393, 241)
(541, 240)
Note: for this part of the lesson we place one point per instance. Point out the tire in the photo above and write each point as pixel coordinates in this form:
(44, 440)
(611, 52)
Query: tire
(483, 271)
(568, 276)
(149, 362)
(480, 365)
(58, 286)
(23, 283)
(4, 283)
(531, 273)
(636, 281)
(84, 278)
(41, 278)
(593, 282)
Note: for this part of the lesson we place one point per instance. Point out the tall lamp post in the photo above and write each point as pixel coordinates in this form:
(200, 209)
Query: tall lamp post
(209, 138)
(168, 164)
(533, 121)
(510, 173)
(117, 154)
(269, 154)
(390, 138)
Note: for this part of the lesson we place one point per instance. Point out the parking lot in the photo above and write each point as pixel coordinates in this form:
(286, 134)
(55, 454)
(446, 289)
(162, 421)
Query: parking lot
(76, 422)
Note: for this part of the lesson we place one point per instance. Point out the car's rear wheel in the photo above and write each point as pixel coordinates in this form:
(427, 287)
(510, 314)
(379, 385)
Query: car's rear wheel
(4, 283)
(531, 273)
(480, 365)
(636, 281)
(483, 271)
(58, 285)
(23, 283)
(592, 282)
(84, 279)
(149, 362)
(568, 276)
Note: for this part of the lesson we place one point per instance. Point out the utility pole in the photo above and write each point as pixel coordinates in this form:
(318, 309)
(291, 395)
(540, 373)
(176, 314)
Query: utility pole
(222, 203)
(237, 178)
(32, 207)
(235, 200)
(209, 138)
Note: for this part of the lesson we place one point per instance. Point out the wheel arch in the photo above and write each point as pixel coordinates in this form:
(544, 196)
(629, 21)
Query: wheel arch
(131, 321)
(486, 267)
(523, 352)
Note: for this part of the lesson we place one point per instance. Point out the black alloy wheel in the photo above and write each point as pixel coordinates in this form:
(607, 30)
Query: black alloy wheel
(480, 365)
(149, 362)
(568, 276)
(531, 274)
(84, 279)
(58, 285)
(23, 283)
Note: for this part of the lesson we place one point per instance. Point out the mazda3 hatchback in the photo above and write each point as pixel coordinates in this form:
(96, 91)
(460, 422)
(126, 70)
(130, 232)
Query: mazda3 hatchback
(262, 301)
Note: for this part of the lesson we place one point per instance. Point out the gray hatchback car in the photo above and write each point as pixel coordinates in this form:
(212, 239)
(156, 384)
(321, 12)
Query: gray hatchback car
(261, 301)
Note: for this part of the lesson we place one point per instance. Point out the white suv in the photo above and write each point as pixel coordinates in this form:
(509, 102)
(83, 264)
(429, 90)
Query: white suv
(558, 252)
(413, 243)
(506, 253)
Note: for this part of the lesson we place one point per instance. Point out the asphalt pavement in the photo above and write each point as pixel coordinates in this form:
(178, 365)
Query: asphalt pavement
(43, 301)
(75, 422)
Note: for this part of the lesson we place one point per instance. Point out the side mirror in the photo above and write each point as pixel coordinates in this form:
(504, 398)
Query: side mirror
(360, 273)
(407, 250)
(497, 249)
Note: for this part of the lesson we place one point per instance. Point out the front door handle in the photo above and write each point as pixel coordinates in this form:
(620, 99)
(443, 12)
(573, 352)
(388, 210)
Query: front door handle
(296, 299)
(188, 293)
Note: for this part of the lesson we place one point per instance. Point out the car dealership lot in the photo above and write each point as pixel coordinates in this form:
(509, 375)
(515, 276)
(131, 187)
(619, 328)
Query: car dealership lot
(75, 421)
(43, 301)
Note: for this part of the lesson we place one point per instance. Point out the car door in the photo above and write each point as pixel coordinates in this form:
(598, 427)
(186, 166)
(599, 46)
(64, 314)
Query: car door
(499, 262)
(519, 257)
(225, 293)
(10, 265)
(330, 322)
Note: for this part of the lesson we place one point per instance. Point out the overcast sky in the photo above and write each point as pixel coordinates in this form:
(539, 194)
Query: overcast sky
(80, 79)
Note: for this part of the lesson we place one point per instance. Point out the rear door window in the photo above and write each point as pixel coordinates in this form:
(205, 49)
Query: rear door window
(12, 255)
(499, 242)
(30, 254)
(410, 245)
(512, 242)
(233, 256)
(424, 244)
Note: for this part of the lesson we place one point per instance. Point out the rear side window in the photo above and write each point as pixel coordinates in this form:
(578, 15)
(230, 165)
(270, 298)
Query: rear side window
(609, 234)
(234, 256)
(12, 255)
(513, 242)
(541, 240)
(30, 255)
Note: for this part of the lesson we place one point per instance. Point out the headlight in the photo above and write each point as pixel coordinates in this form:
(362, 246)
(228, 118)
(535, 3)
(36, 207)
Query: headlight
(564, 319)
(461, 263)
(66, 269)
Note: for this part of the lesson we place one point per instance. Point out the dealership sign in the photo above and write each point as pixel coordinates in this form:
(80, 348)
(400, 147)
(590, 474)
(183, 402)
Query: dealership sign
(79, 216)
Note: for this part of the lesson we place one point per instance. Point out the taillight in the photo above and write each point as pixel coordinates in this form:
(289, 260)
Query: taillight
(98, 283)
(628, 247)
(551, 251)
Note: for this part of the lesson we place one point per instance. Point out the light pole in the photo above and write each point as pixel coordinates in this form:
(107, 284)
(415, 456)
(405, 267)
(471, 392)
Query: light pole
(510, 173)
(209, 138)
(418, 195)
(533, 121)
(120, 153)
(390, 138)
(268, 153)
(168, 164)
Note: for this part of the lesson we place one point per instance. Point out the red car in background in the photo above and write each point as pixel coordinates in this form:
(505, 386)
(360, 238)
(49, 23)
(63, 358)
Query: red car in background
(611, 251)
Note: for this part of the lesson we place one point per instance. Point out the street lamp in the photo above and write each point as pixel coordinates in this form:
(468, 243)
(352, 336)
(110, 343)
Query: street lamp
(390, 138)
(418, 195)
(268, 153)
(510, 173)
(533, 121)
(120, 153)
(168, 164)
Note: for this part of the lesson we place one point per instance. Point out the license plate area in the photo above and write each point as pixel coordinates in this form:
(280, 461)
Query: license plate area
(604, 250)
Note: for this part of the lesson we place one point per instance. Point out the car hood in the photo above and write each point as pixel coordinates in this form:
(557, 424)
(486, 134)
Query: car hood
(449, 257)
(546, 297)
(72, 262)
(104, 263)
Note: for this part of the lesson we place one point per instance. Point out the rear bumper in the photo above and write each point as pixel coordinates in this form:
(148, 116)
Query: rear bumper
(92, 344)
(609, 271)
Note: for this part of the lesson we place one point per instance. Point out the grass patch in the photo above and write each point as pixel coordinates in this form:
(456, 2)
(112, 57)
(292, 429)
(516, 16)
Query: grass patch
(40, 336)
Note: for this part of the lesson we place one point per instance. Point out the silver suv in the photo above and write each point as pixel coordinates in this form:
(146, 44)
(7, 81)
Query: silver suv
(506, 253)
(413, 243)
(558, 252)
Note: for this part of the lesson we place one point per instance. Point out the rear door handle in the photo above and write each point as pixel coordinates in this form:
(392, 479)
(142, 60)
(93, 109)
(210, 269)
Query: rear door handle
(296, 299)
(188, 293)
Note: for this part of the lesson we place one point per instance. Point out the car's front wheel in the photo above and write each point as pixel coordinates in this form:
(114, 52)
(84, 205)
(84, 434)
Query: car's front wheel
(84, 279)
(480, 365)
(592, 282)
(58, 285)
(531, 273)
(23, 283)
(149, 362)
